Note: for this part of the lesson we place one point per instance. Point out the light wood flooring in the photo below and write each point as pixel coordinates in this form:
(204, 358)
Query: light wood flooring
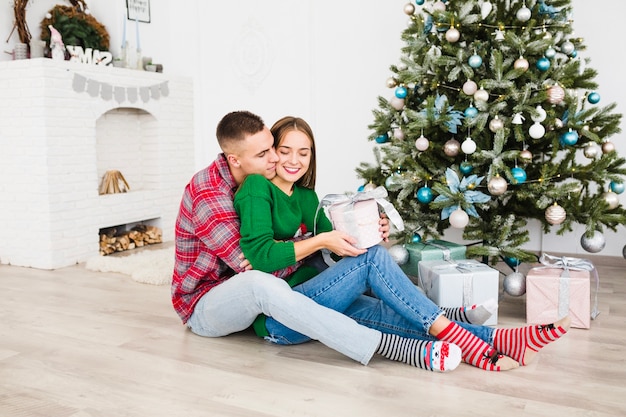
(79, 343)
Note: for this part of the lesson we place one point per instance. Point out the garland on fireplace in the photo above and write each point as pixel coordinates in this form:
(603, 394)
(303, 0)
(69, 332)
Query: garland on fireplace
(107, 91)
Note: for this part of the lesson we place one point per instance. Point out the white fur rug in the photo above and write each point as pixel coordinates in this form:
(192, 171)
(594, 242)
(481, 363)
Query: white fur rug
(150, 266)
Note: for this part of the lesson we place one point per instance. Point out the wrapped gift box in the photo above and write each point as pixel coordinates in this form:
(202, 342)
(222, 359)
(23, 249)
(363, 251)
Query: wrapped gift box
(459, 283)
(432, 250)
(551, 294)
(359, 220)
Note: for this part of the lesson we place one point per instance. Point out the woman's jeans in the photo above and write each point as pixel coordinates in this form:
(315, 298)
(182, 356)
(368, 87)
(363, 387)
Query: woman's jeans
(397, 306)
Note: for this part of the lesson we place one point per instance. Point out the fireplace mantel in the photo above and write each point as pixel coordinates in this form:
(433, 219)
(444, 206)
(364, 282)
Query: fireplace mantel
(57, 118)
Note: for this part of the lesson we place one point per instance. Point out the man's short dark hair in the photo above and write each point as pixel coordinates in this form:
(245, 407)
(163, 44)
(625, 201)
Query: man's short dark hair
(236, 126)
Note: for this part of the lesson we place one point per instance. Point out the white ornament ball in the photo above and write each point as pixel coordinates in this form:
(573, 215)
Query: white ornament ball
(514, 284)
(521, 63)
(555, 214)
(611, 199)
(470, 87)
(399, 254)
(497, 185)
(524, 14)
(369, 186)
(594, 244)
(567, 47)
(397, 103)
(452, 35)
(468, 146)
(439, 6)
(556, 94)
(398, 133)
(496, 124)
(481, 95)
(409, 9)
(459, 218)
(451, 147)
(537, 130)
(422, 143)
(526, 155)
(608, 147)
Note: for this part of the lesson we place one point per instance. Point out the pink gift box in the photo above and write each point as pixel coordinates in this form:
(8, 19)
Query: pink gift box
(551, 296)
(359, 220)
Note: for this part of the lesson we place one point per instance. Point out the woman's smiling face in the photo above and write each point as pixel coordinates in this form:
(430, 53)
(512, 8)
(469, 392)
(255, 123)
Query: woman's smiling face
(294, 156)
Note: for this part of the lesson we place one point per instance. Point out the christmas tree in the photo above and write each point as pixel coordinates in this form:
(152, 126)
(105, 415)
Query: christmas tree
(494, 121)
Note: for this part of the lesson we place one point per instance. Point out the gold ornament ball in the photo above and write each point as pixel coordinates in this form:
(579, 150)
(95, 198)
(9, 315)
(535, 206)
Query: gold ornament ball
(497, 185)
(556, 94)
(452, 147)
(496, 124)
(526, 155)
(521, 63)
(391, 82)
(608, 147)
(409, 9)
(555, 214)
(481, 95)
(611, 199)
(369, 186)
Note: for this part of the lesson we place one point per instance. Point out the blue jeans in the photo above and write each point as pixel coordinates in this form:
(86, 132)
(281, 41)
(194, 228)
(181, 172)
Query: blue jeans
(398, 306)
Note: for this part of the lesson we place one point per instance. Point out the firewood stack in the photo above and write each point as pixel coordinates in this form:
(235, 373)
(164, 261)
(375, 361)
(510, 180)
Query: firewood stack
(141, 235)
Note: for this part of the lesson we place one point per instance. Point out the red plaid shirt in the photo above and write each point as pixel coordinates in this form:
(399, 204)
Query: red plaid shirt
(207, 237)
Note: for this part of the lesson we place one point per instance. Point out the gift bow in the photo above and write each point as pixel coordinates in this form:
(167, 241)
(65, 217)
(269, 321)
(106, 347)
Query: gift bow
(379, 194)
(567, 263)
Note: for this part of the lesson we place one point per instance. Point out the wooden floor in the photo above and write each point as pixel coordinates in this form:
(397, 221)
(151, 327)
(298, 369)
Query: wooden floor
(80, 343)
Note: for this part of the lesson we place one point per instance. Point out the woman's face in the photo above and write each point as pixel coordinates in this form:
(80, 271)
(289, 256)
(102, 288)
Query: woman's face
(294, 156)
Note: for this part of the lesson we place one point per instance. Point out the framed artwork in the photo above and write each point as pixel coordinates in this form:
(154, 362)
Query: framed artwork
(138, 10)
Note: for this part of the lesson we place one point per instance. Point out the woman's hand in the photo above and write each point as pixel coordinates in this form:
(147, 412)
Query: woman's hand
(341, 243)
(384, 227)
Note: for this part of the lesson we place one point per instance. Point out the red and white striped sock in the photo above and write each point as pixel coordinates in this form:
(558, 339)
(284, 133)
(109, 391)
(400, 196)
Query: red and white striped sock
(475, 351)
(523, 343)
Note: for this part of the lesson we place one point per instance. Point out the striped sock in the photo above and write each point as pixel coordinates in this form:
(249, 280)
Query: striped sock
(523, 343)
(424, 354)
(476, 314)
(475, 351)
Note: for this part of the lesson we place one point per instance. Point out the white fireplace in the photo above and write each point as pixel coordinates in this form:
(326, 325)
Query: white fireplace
(62, 126)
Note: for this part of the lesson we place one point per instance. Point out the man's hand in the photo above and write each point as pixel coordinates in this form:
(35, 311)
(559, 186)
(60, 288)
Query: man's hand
(245, 264)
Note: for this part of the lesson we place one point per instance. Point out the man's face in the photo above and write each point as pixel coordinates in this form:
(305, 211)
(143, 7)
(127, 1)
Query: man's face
(257, 155)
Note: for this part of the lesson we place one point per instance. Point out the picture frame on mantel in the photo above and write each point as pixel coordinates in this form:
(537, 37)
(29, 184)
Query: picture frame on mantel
(138, 10)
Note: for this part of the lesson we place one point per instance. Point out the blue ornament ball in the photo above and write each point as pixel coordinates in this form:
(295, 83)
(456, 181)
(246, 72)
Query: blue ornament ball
(475, 61)
(569, 138)
(574, 54)
(382, 138)
(519, 175)
(361, 188)
(593, 98)
(465, 168)
(543, 64)
(416, 238)
(511, 262)
(424, 195)
(550, 53)
(419, 2)
(617, 187)
(470, 112)
(401, 92)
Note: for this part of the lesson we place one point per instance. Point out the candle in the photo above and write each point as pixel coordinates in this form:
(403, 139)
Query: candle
(124, 33)
(137, 27)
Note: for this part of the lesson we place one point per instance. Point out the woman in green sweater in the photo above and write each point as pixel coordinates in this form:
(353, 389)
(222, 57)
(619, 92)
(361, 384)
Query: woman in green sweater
(277, 218)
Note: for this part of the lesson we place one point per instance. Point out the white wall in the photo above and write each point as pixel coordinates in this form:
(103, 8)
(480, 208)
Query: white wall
(324, 61)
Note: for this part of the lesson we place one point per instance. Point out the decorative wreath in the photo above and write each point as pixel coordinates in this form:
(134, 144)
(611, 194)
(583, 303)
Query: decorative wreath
(76, 26)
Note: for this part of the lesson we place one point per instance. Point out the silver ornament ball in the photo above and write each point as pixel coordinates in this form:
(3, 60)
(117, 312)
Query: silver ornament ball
(591, 150)
(594, 244)
(497, 185)
(611, 199)
(399, 254)
(515, 284)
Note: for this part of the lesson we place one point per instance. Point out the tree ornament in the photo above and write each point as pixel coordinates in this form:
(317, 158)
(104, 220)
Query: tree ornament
(392, 181)
(485, 9)
(475, 61)
(523, 14)
(550, 53)
(567, 48)
(468, 146)
(369, 186)
(451, 147)
(555, 214)
(617, 187)
(521, 63)
(409, 9)
(452, 35)
(470, 112)
(526, 155)
(401, 92)
(556, 94)
(518, 119)
(398, 133)
(399, 254)
(514, 284)
(593, 244)
(470, 87)
(424, 195)
(569, 138)
(611, 199)
(593, 98)
(422, 143)
(558, 123)
(540, 116)
(384, 138)
(416, 238)
(496, 124)
(499, 35)
(391, 82)
(608, 147)
(536, 131)
(465, 168)
(543, 64)
(591, 150)
(439, 6)
(519, 175)
(459, 218)
(513, 263)
(481, 95)
(497, 185)
(396, 103)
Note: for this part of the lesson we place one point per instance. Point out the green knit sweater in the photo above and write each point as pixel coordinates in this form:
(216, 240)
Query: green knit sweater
(269, 219)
